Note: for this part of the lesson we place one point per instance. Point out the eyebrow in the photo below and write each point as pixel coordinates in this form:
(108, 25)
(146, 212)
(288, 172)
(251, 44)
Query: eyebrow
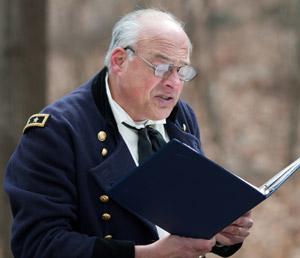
(167, 59)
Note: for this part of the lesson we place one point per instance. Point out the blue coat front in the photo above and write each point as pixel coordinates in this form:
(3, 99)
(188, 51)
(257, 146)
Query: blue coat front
(58, 173)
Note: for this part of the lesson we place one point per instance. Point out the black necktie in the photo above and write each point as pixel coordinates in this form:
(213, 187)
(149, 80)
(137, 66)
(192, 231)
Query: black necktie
(149, 141)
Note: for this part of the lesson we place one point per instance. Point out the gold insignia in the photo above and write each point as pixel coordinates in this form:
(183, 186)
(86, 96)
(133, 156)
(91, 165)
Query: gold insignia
(36, 120)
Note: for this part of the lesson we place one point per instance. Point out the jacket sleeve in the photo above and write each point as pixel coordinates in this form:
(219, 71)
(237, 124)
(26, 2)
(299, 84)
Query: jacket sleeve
(41, 184)
(226, 251)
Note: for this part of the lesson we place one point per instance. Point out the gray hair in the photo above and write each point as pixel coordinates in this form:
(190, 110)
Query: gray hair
(125, 32)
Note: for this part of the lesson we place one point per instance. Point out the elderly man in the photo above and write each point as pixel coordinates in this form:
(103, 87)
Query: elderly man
(76, 147)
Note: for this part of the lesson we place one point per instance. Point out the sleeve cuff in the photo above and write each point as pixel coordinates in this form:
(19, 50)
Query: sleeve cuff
(226, 251)
(113, 249)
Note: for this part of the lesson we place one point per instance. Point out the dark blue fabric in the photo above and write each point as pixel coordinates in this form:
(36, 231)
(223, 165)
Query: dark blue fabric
(57, 173)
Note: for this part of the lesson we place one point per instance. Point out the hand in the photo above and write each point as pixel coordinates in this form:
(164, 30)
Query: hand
(237, 231)
(175, 247)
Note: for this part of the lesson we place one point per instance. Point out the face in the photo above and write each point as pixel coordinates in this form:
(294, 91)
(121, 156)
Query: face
(139, 92)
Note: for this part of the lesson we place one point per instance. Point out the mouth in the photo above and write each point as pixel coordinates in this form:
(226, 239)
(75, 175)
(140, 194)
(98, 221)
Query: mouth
(165, 97)
(165, 100)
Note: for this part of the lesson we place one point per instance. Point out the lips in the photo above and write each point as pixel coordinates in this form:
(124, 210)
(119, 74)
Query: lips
(165, 100)
(165, 97)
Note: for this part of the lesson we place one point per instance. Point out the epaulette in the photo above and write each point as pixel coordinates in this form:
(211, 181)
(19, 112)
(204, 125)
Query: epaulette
(36, 120)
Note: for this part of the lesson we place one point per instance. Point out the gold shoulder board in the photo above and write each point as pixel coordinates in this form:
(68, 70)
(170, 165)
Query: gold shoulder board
(36, 120)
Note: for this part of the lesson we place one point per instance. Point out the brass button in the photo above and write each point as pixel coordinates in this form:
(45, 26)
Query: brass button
(104, 152)
(104, 198)
(102, 136)
(108, 237)
(106, 216)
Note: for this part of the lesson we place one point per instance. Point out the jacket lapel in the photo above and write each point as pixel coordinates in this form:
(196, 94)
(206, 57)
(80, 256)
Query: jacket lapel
(117, 166)
(175, 132)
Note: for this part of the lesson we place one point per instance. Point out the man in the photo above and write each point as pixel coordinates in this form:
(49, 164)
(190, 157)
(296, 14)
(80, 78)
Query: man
(75, 148)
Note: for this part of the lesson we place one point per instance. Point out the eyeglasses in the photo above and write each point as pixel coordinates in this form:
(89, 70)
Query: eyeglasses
(186, 73)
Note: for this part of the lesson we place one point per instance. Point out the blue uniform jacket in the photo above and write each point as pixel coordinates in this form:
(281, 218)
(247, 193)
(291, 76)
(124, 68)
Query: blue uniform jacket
(57, 176)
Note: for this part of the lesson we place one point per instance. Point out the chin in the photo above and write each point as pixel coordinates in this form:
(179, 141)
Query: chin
(160, 115)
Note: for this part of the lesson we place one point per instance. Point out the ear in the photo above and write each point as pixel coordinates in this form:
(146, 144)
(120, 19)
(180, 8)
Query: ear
(117, 60)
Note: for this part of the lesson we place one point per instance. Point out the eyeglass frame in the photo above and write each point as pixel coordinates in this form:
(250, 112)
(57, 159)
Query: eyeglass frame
(157, 72)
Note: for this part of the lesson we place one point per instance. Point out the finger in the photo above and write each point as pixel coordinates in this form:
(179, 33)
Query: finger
(245, 216)
(236, 231)
(242, 232)
(226, 239)
(205, 246)
(245, 222)
(229, 239)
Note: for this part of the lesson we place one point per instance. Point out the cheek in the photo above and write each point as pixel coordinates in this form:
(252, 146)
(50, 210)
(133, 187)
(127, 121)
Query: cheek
(137, 95)
(180, 90)
(143, 87)
(147, 88)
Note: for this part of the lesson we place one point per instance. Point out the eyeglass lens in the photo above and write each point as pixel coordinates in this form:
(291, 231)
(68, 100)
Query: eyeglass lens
(185, 73)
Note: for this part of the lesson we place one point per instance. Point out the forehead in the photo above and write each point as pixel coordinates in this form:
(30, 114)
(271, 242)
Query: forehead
(164, 40)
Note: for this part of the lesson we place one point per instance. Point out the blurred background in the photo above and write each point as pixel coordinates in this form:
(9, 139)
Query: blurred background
(247, 97)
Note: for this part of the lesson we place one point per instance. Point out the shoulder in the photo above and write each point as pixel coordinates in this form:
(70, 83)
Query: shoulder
(72, 105)
(71, 110)
(186, 109)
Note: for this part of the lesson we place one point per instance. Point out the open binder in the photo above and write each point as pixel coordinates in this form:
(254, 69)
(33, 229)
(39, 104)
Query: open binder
(189, 195)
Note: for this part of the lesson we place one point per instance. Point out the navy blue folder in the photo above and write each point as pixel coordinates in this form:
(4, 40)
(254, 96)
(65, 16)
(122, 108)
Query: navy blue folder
(187, 194)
